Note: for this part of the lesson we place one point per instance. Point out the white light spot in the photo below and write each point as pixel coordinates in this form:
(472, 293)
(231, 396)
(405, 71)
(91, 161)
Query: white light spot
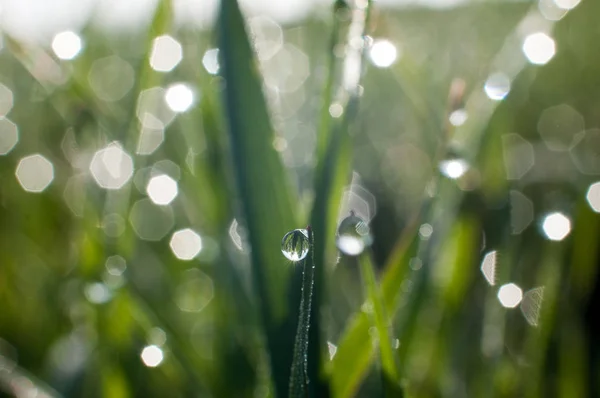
(510, 295)
(66, 45)
(186, 244)
(539, 48)
(454, 168)
(556, 226)
(179, 97)
(111, 166)
(497, 86)
(152, 356)
(425, 231)
(458, 117)
(210, 60)
(166, 54)
(350, 245)
(336, 110)
(593, 196)
(9, 135)
(383, 53)
(488, 267)
(567, 4)
(35, 173)
(162, 189)
(97, 293)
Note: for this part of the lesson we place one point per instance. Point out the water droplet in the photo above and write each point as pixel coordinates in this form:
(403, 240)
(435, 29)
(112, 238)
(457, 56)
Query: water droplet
(353, 235)
(294, 245)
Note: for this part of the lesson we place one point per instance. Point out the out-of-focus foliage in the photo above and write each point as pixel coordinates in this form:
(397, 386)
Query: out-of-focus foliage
(147, 178)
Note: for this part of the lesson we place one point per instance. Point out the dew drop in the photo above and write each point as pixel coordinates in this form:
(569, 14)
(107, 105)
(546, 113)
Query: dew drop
(353, 235)
(294, 245)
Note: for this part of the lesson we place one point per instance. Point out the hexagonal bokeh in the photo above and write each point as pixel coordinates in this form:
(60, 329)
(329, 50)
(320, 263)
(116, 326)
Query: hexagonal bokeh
(287, 70)
(111, 78)
(559, 125)
(162, 189)
(510, 295)
(166, 53)
(149, 221)
(67, 45)
(518, 156)
(6, 100)
(9, 135)
(35, 173)
(194, 292)
(111, 166)
(556, 226)
(179, 97)
(585, 154)
(152, 110)
(266, 35)
(186, 244)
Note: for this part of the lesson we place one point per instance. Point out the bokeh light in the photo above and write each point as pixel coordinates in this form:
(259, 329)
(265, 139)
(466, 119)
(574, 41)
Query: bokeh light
(152, 356)
(383, 53)
(35, 173)
(210, 61)
(539, 48)
(97, 293)
(186, 244)
(497, 86)
(111, 166)
(115, 265)
(9, 135)
(152, 110)
(510, 295)
(488, 267)
(556, 226)
(531, 305)
(179, 97)
(521, 212)
(67, 45)
(194, 292)
(149, 221)
(454, 168)
(162, 189)
(593, 196)
(6, 100)
(166, 54)
(458, 117)
(111, 78)
(567, 4)
(518, 156)
(559, 126)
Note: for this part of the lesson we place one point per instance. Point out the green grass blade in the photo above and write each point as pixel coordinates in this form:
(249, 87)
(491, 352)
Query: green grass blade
(379, 317)
(260, 181)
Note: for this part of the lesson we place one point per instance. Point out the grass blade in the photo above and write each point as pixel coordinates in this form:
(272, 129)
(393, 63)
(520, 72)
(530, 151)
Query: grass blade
(260, 180)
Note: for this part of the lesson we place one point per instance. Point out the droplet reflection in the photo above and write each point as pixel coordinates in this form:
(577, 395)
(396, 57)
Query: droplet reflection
(295, 245)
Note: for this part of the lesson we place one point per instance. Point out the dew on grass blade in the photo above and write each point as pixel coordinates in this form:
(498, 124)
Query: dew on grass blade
(294, 245)
(353, 235)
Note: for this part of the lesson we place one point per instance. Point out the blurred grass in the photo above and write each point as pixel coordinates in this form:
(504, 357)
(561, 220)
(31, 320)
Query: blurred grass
(454, 339)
